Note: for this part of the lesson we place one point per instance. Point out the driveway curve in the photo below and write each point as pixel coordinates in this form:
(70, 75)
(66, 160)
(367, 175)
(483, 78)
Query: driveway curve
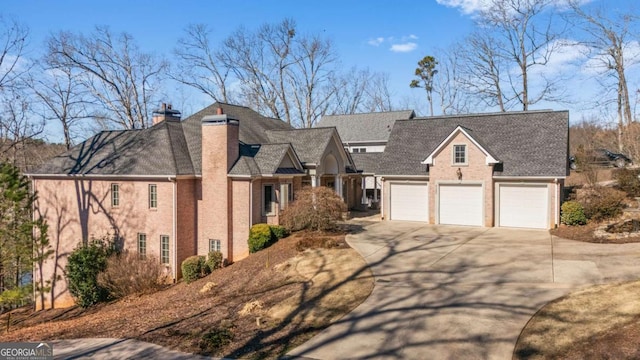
(446, 292)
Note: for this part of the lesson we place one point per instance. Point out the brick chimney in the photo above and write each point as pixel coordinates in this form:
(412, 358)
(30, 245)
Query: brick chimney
(165, 113)
(220, 150)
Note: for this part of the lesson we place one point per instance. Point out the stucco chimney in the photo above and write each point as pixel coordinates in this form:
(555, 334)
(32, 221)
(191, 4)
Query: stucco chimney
(165, 113)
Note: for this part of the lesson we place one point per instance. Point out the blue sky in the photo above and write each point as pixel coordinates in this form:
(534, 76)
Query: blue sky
(389, 36)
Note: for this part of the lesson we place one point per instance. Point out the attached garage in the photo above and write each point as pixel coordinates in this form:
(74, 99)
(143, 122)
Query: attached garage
(460, 204)
(523, 206)
(409, 202)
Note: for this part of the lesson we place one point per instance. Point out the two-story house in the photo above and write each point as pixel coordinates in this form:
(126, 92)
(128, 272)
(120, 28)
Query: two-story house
(183, 187)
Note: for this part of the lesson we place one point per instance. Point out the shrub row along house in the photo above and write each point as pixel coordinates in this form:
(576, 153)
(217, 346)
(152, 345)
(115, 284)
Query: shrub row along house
(187, 187)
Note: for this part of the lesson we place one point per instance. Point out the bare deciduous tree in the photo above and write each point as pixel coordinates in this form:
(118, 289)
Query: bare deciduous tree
(199, 65)
(361, 91)
(481, 69)
(13, 41)
(309, 87)
(609, 38)
(123, 80)
(62, 96)
(529, 39)
(449, 84)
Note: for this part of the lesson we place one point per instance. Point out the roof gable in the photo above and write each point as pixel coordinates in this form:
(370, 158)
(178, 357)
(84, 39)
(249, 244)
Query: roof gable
(489, 158)
(531, 143)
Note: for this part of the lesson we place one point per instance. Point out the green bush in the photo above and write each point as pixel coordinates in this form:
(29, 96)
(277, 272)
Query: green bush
(260, 237)
(214, 261)
(628, 181)
(83, 266)
(602, 203)
(216, 338)
(318, 208)
(280, 232)
(193, 268)
(573, 214)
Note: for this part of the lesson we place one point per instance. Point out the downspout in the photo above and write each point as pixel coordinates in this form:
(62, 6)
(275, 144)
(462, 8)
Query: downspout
(557, 203)
(174, 266)
(251, 202)
(381, 198)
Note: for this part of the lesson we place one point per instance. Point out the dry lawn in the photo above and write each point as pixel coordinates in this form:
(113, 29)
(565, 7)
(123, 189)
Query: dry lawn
(259, 307)
(601, 322)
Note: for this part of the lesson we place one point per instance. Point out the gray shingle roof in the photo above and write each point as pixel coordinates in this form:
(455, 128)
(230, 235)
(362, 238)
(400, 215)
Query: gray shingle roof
(159, 150)
(168, 148)
(262, 159)
(528, 143)
(365, 127)
(309, 144)
(367, 162)
(253, 128)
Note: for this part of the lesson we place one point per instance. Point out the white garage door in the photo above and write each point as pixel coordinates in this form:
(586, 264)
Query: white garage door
(524, 206)
(460, 205)
(409, 202)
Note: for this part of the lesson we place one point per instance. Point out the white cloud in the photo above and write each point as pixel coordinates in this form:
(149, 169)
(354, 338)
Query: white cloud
(406, 47)
(410, 37)
(376, 41)
(466, 6)
(473, 6)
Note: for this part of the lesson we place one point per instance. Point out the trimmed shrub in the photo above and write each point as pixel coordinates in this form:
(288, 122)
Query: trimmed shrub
(628, 181)
(83, 266)
(216, 338)
(280, 232)
(214, 261)
(193, 268)
(573, 214)
(260, 237)
(127, 274)
(602, 203)
(318, 208)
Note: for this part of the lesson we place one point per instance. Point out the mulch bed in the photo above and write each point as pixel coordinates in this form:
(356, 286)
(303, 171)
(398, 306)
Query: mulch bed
(184, 318)
(585, 233)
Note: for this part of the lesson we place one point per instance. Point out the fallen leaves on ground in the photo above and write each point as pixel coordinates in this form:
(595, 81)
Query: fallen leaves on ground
(262, 306)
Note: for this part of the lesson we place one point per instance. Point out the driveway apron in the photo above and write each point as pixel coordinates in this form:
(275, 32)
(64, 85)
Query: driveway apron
(445, 292)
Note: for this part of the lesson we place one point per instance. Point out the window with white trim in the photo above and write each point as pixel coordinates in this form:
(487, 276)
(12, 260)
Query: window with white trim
(459, 154)
(164, 249)
(286, 195)
(359, 150)
(115, 195)
(153, 196)
(142, 246)
(214, 245)
(268, 197)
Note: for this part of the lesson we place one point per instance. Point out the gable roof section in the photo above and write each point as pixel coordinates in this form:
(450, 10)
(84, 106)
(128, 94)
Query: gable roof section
(365, 127)
(532, 143)
(490, 159)
(265, 159)
(159, 150)
(308, 143)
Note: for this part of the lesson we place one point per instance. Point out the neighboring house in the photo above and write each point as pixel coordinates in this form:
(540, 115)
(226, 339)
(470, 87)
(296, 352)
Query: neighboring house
(502, 169)
(181, 188)
(365, 137)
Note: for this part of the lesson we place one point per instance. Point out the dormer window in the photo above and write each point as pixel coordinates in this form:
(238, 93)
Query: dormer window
(459, 154)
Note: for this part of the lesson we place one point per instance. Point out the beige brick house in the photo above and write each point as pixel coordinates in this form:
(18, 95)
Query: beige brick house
(183, 187)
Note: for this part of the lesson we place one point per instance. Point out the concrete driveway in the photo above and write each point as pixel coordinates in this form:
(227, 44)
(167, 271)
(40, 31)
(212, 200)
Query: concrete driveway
(447, 292)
